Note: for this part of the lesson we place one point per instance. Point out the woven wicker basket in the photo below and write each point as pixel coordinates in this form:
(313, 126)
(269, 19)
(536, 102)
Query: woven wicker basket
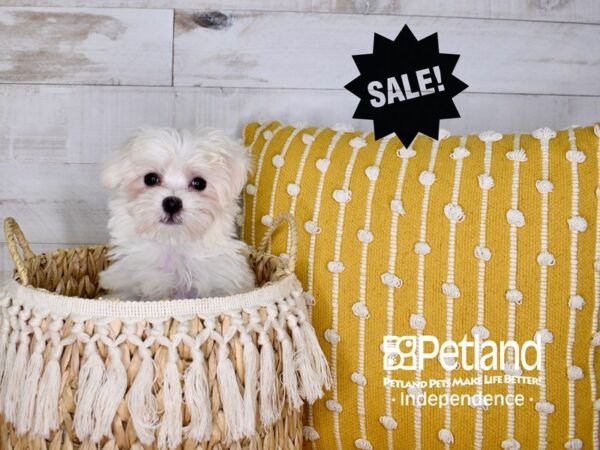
(213, 373)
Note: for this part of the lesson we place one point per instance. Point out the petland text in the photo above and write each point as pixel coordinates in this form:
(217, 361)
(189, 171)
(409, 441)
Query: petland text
(410, 353)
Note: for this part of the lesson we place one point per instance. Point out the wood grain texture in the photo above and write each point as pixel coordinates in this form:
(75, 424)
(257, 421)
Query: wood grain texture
(583, 11)
(264, 49)
(231, 108)
(86, 46)
(73, 124)
(55, 202)
(83, 124)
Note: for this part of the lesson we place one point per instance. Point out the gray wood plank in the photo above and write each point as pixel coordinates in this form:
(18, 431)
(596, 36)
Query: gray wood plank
(231, 108)
(76, 124)
(86, 46)
(83, 124)
(584, 11)
(308, 50)
(54, 202)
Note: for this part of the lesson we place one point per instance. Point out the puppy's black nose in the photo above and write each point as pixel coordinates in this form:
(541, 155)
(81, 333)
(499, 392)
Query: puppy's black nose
(172, 205)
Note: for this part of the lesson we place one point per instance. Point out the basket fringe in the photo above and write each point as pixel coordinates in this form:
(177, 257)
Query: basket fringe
(269, 403)
(4, 341)
(288, 376)
(90, 381)
(30, 390)
(3, 351)
(171, 428)
(197, 399)
(11, 354)
(318, 360)
(110, 394)
(46, 411)
(250, 383)
(15, 381)
(141, 400)
(311, 387)
(281, 360)
(233, 404)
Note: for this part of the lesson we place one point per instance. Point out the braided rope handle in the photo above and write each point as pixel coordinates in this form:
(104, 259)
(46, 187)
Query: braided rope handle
(15, 239)
(293, 234)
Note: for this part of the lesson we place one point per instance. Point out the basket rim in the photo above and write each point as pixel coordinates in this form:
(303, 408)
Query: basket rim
(44, 303)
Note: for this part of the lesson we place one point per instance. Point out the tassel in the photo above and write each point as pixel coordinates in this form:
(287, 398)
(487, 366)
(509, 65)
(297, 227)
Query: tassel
(231, 399)
(311, 385)
(110, 394)
(3, 355)
(269, 403)
(30, 390)
(4, 342)
(197, 399)
(3, 350)
(46, 411)
(290, 382)
(15, 381)
(170, 432)
(316, 355)
(250, 383)
(11, 354)
(88, 386)
(142, 402)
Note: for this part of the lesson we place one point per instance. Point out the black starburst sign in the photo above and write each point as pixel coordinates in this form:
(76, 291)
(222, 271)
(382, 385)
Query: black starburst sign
(406, 86)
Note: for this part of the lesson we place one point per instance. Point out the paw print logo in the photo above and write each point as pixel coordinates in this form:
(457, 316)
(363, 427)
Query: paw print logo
(399, 352)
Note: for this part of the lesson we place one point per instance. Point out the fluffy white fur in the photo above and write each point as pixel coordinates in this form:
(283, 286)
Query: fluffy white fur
(193, 253)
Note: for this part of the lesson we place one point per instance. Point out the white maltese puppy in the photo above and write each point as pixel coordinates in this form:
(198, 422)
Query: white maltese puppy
(172, 225)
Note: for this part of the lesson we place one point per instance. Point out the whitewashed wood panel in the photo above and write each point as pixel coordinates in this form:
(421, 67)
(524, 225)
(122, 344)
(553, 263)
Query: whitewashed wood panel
(584, 11)
(76, 124)
(256, 49)
(54, 202)
(83, 124)
(231, 108)
(348, 6)
(86, 46)
(102, 119)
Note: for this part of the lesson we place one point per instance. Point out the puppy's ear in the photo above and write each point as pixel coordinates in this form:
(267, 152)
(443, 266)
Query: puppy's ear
(118, 170)
(237, 158)
(113, 174)
(241, 165)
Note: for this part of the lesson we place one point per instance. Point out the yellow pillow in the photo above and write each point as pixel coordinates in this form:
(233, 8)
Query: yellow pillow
(493, 237)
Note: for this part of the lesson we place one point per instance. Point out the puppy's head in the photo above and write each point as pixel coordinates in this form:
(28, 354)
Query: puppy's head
(176, 185)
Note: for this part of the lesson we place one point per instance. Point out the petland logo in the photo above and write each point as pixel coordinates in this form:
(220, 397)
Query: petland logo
(410, 353)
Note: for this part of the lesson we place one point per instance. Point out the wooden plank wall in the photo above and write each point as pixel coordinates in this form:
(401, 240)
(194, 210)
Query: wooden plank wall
(77, 75)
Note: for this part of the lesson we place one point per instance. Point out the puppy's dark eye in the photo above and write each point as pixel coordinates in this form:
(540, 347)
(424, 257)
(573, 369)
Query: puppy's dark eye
(198, 183)
(151, 179)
